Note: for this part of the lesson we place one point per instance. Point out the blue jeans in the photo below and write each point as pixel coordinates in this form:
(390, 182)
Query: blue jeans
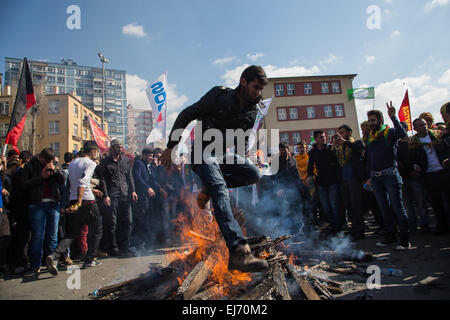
(329, 200)
(44, 220)
(217, 178)
(388, 190)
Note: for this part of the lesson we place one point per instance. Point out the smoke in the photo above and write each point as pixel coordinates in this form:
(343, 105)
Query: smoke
(289, 214)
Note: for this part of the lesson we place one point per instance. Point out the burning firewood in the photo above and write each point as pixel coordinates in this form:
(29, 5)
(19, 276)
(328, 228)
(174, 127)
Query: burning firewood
(193, 282)
(306, 288)
(280, 281)
(198, 235)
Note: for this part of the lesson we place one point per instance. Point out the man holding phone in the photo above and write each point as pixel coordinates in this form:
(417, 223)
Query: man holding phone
(40, 181)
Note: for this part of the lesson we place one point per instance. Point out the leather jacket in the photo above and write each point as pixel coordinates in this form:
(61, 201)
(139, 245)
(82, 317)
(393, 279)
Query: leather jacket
(220, 109)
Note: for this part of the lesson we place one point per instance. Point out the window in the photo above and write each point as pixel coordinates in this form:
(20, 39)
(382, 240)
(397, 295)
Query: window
(296, 138)
(78, 72)
(308, 88)
(284, 137)
(75, 147)
(84, 134)
(325, 88)
(61, 80)
(61, 71)
(4, 129)
(53, 107)
(4, 108)
(110, 92)
(50, 79)
(51, 69)
(282, 114)
(53, 127)
(293, 113)
(279, 90)
(84, 114)
(55, 147)
(290, 87)
(75, 110)
(339, 110)
(75, 130)
(336, 87)
(311, 135)
(331, 133)
(328, 111)
(311, 112)
(118, 76)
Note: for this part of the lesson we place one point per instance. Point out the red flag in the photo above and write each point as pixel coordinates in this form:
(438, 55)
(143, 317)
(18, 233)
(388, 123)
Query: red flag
(101, 138)
(404, 114)
(25, 99)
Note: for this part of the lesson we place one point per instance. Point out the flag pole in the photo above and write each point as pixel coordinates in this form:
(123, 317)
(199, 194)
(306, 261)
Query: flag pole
(4, 149)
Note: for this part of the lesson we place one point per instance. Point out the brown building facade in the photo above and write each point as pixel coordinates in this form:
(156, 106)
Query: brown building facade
(302, 105)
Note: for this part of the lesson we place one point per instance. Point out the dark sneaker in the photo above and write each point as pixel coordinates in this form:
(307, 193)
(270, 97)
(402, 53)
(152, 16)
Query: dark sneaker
(93, 263)
(388, 239)
(32, 273)
(403, 245)
(52, 265)
(101, 254)
(243, 260)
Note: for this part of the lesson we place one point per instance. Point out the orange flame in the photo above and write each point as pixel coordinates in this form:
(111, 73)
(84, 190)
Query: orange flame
(199, 228)
(292, 259)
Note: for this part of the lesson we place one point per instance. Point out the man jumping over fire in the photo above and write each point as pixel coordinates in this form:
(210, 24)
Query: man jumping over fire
(221, 109)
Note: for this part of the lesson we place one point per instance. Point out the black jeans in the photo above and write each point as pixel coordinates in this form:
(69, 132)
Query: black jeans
(217, 178)
(437, 186)
(20, 236)
(352, 192)
(87, 214)
(141, 210)
(118, 224)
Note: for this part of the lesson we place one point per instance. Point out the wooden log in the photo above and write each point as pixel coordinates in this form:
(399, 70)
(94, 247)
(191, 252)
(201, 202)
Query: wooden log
(306, 288)
(321, 288)
(207, 294)
(118, 286)
(260, 290)
(200, 236)
(280, 281)
(335, 290)
(193, 282)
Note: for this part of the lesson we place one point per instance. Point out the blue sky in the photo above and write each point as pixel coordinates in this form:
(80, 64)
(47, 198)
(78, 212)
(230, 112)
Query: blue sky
(203, 43)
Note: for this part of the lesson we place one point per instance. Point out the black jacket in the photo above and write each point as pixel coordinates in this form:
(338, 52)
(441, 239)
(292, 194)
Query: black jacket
(143, 179)
(220, 109)
(356, 160)
(116, 177)
(287, 176)
(418, 154)
(326, 164)
(33, 184)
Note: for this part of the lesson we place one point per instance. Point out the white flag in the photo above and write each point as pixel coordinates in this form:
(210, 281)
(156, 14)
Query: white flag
(259, 117)
(157, 95)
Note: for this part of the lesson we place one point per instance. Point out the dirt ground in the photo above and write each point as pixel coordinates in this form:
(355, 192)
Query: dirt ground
(425, 271)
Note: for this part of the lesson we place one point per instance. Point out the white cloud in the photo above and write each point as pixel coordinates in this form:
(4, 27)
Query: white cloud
(232, 76)
(331, 58)
(370, 59)
(254, 57)
(134, 30)
(137, 97)
(425, 95)
(224, 60)
(395, 34)
(436, 3)
(445, 79)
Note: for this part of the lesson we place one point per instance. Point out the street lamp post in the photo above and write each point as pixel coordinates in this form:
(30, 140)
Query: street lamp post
(103, 60)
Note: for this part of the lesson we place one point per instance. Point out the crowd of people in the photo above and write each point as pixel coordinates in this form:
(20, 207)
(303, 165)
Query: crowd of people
(115, 204)
(89, 206)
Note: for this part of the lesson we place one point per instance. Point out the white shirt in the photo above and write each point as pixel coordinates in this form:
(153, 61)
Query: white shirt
(81, 171)
(433, 160)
